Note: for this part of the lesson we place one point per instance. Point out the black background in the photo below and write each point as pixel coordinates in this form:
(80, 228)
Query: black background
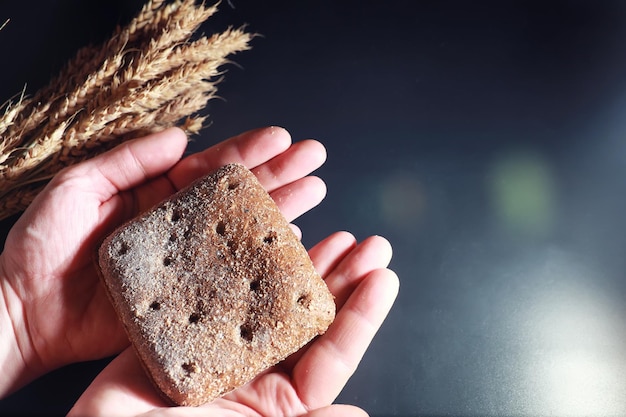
(484, 139)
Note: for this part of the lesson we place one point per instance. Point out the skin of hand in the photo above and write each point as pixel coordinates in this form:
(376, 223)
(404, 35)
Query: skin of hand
(53, 309)
(306, 383)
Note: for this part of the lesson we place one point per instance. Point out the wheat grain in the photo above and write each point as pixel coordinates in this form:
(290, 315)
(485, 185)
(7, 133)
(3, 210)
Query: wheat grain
(88, 59)
(148, 76)
(152, 61)
(93, 66)
(136, 124)
(11, 112)
(33, 156)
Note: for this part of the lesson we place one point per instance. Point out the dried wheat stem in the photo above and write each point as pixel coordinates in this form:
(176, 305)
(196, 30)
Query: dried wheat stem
(137, 124)
(90, 58)
(11, 112)
(192, 61)
(159, 104)
(153, 96)
(143, 19)
(11, 141)
(87, 61)
(147, 77)
(64, 109)
(214, 48)
(153, 18)
(153, 62)
(33, 156)
(94, 83)
(181, 23)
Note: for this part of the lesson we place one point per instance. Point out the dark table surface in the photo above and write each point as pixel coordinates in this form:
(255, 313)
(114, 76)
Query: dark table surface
(486, 140)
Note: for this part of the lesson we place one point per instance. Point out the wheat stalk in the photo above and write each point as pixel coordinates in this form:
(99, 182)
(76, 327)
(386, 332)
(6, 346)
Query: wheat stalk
(148, 76)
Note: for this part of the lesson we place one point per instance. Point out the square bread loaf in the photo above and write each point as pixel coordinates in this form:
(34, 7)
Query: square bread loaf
(213, 287)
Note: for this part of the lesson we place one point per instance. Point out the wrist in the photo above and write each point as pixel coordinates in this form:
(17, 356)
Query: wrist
(13, 360)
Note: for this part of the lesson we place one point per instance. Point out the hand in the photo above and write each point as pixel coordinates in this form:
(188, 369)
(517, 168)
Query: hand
(53, 311)
(304, 384)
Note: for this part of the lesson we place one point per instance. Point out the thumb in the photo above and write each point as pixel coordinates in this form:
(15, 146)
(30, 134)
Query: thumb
(131, 163)
(123, 168)
(121, 389)
(97, 180)
(338, 410)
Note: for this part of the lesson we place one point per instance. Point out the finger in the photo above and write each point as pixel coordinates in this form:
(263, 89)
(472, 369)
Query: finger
(296, 230)
(251, 149)
(293, 200)
(373, 253)
(153, 192)
(299, 160)
(327, 254)
(132, 163)
(324, 369)
(122, 388)
(193, 412)
(337, 410)
(299, 197)
(101, 179)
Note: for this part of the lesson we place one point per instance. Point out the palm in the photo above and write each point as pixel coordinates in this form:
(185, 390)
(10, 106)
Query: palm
(51, 284)
(308, 381)
(52, 272)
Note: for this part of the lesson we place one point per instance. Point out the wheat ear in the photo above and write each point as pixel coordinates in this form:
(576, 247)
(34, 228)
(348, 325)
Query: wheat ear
(148, 76)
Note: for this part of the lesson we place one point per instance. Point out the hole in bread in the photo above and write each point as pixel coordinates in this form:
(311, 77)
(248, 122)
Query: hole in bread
(220, 228)
(304, 300)
(189, 368)
(255, 285)
(247, 332)
(124, 248)
(194, 318)
(175, 216)
(233, 184)
(173, 237)
(167, 261)
(270, 237)
(155, 306)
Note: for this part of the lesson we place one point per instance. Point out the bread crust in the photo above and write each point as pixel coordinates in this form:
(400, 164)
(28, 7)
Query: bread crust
(213, 287)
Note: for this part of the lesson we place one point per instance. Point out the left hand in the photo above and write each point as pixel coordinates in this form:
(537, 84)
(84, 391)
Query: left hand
(53, 310)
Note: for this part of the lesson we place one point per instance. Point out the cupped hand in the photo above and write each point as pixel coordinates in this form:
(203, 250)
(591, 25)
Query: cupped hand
(307, 382)
(53, 310)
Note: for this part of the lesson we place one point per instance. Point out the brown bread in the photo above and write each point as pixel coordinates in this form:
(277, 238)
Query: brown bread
(213, 287)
